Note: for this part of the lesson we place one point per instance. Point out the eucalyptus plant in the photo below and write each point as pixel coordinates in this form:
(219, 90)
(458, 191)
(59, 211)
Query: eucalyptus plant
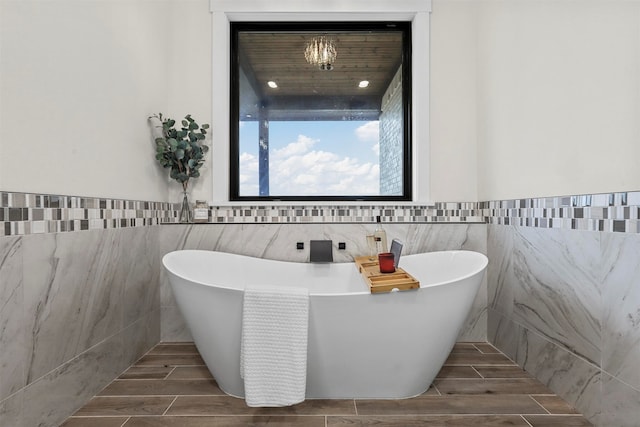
(181, 150)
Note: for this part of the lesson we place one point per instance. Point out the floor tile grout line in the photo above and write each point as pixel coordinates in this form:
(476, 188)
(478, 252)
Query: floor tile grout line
(164, 395)
(163, 379)
(169, 374)
(476, 347)
(123, 371)
(478, 372)
(166, 366)
(114, 396)
(436, 389)
(550, 415)
(540, 404)
(74, 416)
(525, 420)
(176, 344)
(312, 415)
(578, 415)
(486, 379)
(494, 349)
(480, 364)
(555, 415)
(426, 415)
(168, 356)
(407, 415)
(247, 415)
(170, 405)
(430, 414)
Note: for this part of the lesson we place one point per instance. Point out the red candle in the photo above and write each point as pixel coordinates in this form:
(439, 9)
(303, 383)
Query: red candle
(386, 262)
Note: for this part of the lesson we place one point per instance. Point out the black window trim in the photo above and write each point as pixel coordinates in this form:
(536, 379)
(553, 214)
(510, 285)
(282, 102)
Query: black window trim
(234, 145)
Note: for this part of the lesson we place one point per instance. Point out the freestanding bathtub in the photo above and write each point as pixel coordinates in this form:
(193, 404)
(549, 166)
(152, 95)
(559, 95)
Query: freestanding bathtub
(360, 345)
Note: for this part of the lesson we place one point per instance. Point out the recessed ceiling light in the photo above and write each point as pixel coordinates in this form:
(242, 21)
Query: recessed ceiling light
(364, 83)
(272, 84)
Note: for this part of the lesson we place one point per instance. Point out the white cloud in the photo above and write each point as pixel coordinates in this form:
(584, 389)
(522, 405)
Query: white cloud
(302, 145)
(297, 169)
(248, 162)
(368, 132)
(306, 179)
(248, 174)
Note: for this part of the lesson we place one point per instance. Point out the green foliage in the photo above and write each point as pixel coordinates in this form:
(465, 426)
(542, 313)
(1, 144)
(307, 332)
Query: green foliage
(181, 150)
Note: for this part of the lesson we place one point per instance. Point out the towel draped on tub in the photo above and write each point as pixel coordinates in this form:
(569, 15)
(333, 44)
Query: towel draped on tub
(273, 353)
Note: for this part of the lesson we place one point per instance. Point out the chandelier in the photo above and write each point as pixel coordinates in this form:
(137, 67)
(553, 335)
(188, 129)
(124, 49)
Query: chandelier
(321, 51)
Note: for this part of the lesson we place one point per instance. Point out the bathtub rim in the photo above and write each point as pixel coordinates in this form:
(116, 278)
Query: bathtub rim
(483, 265)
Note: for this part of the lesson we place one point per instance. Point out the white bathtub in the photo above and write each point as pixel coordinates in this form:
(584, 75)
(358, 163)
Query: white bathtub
(360, 345)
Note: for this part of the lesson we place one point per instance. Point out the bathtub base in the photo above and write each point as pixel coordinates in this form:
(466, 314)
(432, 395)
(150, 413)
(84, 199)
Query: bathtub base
(360, 345)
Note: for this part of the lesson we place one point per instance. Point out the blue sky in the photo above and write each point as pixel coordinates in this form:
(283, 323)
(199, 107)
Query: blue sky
(313, 158)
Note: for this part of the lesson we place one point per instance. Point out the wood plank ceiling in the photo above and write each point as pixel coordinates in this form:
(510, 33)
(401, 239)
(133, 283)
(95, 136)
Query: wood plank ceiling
(305, 90)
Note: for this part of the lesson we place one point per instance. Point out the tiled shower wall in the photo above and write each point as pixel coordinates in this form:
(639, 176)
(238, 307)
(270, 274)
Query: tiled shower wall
(81, 294)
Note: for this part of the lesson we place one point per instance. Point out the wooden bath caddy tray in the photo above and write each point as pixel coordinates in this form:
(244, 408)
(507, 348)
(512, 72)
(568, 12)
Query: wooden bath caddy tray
(384, 282)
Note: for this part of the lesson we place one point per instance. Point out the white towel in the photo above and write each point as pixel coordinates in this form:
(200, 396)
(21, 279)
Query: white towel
(273, 353)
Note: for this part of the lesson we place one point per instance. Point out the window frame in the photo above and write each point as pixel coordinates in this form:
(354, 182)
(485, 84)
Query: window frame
(325, 26)
(223, 12)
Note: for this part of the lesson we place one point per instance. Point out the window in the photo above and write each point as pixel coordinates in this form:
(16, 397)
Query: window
(320, 111)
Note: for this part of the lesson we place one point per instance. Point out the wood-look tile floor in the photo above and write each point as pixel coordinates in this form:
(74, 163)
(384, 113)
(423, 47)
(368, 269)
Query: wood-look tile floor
(478, 386)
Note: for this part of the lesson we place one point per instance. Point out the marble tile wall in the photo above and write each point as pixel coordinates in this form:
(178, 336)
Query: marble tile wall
(76, 309)
(278, 241)
(82, 292)
(79, 281)
(565, 305)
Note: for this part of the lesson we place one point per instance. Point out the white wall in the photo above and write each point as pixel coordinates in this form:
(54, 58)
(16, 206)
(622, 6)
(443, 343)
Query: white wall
(189, 80)
(452, 81)
(558, 97)
(225, 11)
(78, 81)
(452, 164)
(528, 98)
(453, 156)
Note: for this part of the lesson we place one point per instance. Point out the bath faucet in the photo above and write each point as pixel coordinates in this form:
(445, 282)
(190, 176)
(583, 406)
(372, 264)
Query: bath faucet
(321, 251)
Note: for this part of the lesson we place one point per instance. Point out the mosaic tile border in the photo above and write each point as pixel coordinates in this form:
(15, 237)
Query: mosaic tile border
(438, 212)
(607, 212)
(25, 213)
